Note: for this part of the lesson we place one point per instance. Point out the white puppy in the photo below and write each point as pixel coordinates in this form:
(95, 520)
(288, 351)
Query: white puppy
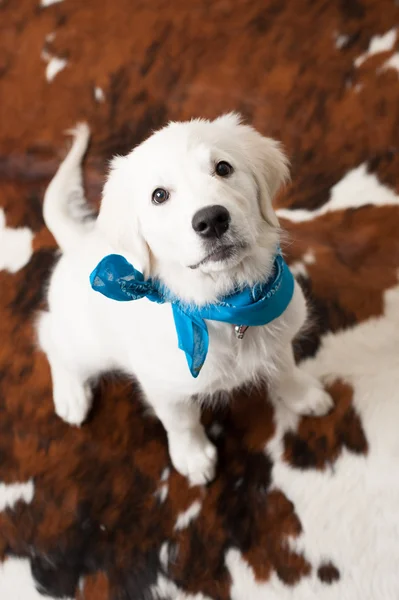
(191, 208)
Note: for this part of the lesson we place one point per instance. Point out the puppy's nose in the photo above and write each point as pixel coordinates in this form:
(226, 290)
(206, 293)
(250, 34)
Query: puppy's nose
(211, 221)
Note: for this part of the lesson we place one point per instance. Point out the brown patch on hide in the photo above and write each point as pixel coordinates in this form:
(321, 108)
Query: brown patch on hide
(95, 587)
(277, 521)
(328, 573)
(318, 442)
(350, 271)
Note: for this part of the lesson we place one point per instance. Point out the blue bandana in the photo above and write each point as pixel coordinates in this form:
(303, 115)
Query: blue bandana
(116, 278)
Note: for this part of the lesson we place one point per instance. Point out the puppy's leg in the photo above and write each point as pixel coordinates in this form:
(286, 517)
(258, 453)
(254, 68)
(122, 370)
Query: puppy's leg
(191, 452)
(301, 392)
(72, 394)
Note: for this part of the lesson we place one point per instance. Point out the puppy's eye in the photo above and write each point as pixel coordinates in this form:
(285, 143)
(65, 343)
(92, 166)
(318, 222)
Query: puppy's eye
(224, 169)
(159, 196)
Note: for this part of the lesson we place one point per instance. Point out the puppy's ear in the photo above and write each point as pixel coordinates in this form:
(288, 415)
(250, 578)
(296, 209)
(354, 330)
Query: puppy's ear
(118, 219)
(270, 169)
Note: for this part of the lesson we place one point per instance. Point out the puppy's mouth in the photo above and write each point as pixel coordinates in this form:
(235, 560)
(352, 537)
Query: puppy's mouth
(220, 254)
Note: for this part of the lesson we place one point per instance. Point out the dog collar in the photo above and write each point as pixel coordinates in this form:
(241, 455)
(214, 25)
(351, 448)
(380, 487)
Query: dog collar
(115, 278)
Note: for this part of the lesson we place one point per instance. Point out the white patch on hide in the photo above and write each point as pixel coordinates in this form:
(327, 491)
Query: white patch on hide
(45, 3)
(99, 94)
(12, 493)
(165, 589)
(184, 518)
(356, 189)
(16, 581)
(378, 43)
(164, 555)
(309, 257)
(162, 493)
(299, 268)
(391, 63)
(341, 39)
(54, 66)
(165, 474)
(15, 246)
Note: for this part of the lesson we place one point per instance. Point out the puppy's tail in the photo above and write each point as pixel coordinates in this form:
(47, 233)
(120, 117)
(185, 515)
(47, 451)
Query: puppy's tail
(65, 210)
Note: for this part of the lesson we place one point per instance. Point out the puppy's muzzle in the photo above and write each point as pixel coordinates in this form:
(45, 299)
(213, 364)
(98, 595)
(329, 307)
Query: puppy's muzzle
(211, 222)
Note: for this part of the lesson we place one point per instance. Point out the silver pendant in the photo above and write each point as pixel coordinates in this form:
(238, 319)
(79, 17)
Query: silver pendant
(240, 330)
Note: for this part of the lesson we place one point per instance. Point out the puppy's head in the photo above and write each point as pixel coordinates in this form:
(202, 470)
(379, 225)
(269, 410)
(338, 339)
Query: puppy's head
(193, 206)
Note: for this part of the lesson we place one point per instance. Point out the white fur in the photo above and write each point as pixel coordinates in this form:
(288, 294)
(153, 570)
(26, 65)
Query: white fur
(84, 333)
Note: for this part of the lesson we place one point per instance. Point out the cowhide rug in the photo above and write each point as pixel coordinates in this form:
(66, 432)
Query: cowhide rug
(302, 509)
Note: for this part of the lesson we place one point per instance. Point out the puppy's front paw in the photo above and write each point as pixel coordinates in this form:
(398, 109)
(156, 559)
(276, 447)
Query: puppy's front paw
(72, 400)
(315, 402)
(193, 455)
